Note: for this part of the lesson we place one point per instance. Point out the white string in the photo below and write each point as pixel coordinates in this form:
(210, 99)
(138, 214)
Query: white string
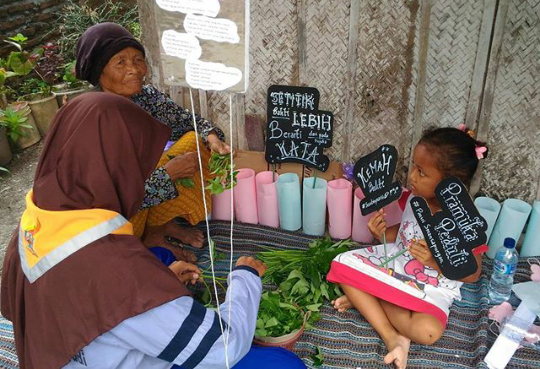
(232, 218)
(208, 226)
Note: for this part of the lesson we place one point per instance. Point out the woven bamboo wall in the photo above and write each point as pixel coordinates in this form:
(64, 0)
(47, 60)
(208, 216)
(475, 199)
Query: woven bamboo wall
(513, 169)
(389, 69)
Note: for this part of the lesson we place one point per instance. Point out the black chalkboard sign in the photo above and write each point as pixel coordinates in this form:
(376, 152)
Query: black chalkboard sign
(374, 173)
(297, 130)
(453, 232)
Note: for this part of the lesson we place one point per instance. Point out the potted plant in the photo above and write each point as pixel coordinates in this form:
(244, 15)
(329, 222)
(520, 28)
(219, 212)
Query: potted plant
(20, 126)
(34, 73)
(70, 86)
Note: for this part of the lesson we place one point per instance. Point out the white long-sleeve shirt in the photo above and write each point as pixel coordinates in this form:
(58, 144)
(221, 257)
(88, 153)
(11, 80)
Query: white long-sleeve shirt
(181, 332)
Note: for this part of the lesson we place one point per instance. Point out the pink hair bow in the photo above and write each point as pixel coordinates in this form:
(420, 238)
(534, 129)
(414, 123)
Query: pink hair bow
(480, 150)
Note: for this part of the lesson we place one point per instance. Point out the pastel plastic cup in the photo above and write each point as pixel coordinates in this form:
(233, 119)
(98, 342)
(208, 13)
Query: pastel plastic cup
(290, 213)
(339, 200)
(314, 206)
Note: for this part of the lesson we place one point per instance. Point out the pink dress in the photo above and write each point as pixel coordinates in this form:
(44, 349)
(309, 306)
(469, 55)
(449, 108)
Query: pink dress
(405, 281)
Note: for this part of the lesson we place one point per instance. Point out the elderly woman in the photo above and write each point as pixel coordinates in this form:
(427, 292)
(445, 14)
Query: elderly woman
(109, 57)
(75, 279)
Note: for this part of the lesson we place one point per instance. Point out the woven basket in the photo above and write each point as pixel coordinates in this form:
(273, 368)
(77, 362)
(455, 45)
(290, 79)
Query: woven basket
(286, 341)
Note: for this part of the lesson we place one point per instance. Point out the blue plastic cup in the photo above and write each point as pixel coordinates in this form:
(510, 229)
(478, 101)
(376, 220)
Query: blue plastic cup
(489, 209)
(290, 213)
(510, 223)
(314, 206)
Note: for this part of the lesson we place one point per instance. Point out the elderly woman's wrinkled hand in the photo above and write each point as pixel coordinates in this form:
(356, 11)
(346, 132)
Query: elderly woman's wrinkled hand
(216, 145)
(183, 166)
(185, 272)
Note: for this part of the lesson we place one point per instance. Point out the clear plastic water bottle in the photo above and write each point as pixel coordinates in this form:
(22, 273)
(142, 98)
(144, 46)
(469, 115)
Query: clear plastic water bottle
(504, 268)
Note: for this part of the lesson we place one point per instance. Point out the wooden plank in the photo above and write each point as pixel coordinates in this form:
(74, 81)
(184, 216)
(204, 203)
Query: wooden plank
(351, 80)
(489, 89)
(302, 43)
(185, 95)
(239, 122)
(150, 41)
(176, 95)
(250, 159)
(480, 64)
(203, 104)
(421, 78)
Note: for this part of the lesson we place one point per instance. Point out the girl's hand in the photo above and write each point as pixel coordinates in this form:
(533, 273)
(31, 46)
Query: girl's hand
(377, 225)
(185, 272)
(420, 251)
(216, 145)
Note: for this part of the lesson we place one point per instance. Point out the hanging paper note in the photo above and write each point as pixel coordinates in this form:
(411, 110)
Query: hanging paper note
(374, 174)
(297, 130)
(453, 232)
(204, 43)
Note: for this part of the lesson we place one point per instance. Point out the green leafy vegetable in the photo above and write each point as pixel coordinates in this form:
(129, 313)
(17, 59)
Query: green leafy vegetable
(277, 318)
(302, 287)
(185, 182)
(318, 357)
(220, 166)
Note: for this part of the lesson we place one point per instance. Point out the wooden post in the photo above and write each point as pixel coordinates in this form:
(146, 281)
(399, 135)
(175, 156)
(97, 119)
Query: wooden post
(302, 59)
(421, 79)
(480, 64)
(489, 89)
(239, 121)
(351, 81)
(203, 104)
(151, 43)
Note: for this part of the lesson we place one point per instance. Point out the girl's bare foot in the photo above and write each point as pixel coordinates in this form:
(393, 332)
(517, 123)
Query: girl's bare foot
(398, 351)
(342, 303)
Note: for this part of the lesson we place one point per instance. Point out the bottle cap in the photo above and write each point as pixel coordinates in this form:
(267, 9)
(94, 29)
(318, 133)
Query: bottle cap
(509, 243)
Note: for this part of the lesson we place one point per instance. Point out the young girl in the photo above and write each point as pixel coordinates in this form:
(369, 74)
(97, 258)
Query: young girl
(409, 299)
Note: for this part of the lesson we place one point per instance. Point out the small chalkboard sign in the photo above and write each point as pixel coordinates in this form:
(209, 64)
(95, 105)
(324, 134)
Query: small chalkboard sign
(453, 232)
(374, 174)
(297, 130)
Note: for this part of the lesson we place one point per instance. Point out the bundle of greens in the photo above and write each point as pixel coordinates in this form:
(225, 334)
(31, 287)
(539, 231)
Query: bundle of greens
(220, 166)
(301, 279)
(276, 317)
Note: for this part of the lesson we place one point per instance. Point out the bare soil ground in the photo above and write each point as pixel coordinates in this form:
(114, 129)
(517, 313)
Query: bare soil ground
(13, 189)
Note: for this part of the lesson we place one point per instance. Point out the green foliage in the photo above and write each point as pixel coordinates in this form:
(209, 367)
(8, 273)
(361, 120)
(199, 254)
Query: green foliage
(276, 316)
(25, 72)
(318, 357)
(69, 76)
(301, 279)
(21, 62)
(220, 166)
(185, 182)
(34, 86)
(2, 169)
(14, 122)
(76, 18)
(18, 41)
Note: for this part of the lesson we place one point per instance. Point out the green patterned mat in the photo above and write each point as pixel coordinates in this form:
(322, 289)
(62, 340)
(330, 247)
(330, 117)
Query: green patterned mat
(346, 339)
